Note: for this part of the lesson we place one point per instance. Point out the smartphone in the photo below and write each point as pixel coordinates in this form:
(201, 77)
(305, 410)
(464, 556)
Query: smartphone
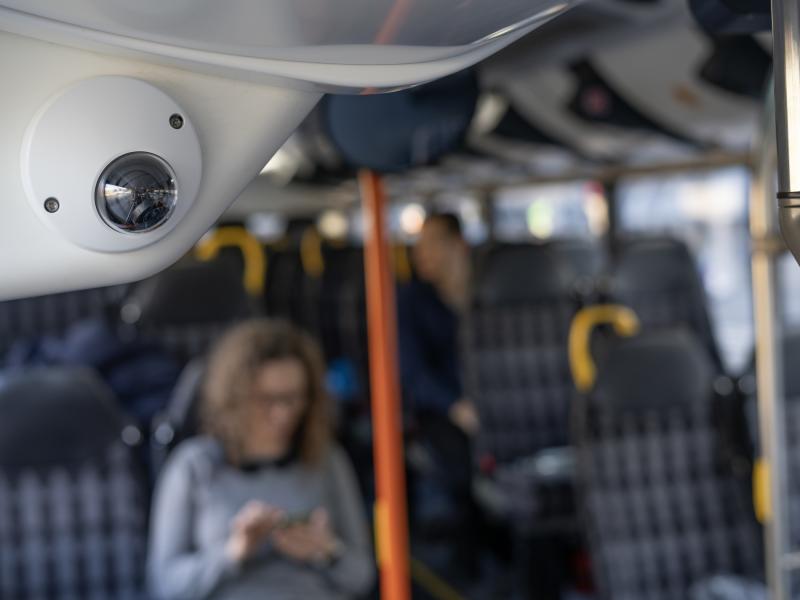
(300, 518)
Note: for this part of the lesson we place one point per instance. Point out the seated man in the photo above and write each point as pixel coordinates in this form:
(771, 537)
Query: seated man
(428, 316)
(442, 420)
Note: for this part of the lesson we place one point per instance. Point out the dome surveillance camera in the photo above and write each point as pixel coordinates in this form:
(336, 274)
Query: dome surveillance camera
(136, 193)
(122, 185)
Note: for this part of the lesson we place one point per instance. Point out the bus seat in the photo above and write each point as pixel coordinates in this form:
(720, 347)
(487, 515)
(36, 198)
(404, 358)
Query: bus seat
(658, 278)
(180, 419)
(343, 312)
(29, 318)
(73, 500)
(289, 292)
(662, 507)
(515, 345)
(187, 306)
(516, 371)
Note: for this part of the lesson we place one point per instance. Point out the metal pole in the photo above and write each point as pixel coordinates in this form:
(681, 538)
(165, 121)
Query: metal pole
(786, 61)
(769, 358)
(391, 515)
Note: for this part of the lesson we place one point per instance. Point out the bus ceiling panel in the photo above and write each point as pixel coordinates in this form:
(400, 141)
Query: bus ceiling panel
(543, 96)
(582, 30)
(663, 76)
(596, 101)
(342, 45)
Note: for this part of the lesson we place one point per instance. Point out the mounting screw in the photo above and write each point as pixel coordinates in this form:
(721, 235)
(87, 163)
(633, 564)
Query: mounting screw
(51, 205)
(176, 121)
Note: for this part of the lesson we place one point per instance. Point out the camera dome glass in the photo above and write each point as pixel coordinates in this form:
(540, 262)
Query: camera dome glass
(136, 192)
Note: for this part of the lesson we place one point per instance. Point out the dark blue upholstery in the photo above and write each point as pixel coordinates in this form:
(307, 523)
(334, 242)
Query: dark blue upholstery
(73, 502)
(663, 508)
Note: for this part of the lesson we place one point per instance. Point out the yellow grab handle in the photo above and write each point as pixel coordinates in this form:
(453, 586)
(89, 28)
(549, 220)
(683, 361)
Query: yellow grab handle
(255, 260)
(402, 264)
(625, 323)
(761, 492)
(311, 253)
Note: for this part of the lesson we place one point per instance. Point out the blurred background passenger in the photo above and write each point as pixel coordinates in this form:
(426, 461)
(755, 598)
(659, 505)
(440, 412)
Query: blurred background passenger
(441, 419)
(264, 505)
(429, 309)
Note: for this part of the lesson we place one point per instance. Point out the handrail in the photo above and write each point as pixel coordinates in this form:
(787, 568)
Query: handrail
(235, 236)
(582, 366)
(311, 253)
(402, 263)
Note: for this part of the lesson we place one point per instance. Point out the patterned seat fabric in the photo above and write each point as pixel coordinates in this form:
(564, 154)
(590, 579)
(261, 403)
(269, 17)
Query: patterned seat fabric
(515, 344)
(289, 293)
(53, 314)
(188, 306)
(73, 502)
(658, 279)
(343, 311)
(663, 509)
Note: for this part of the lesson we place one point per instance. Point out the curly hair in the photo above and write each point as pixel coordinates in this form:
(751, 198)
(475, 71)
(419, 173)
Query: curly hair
(231, 373)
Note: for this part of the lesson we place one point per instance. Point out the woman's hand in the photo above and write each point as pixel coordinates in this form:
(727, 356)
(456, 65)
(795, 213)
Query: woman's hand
(250, 528)
(312, 542)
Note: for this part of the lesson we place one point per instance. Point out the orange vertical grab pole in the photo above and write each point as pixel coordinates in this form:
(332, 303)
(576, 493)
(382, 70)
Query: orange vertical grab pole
(391, 516)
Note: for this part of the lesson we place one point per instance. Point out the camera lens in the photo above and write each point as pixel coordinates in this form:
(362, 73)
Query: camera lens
(136, 192)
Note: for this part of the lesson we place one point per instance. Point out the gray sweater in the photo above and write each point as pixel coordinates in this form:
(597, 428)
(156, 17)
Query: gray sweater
(197, 497)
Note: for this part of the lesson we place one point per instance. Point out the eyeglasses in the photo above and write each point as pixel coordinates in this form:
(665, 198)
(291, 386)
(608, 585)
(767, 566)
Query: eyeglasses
(291, 400)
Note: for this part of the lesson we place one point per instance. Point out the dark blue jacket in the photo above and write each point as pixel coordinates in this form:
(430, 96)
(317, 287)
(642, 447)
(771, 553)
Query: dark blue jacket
(428, 338)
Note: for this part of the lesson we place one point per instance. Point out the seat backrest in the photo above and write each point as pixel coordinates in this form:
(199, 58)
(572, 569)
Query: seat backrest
(189, 305)
(343, 311)
(515, 345)
(662, 506)
(180, 419)
(289, 292)
(52, 314)
(658, 278)
(73, 502)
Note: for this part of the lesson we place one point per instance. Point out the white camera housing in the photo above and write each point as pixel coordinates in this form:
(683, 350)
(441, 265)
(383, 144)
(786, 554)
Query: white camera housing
(243, 75)
(77, 134)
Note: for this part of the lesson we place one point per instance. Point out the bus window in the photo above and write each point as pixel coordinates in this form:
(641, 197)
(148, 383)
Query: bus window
(538, 213)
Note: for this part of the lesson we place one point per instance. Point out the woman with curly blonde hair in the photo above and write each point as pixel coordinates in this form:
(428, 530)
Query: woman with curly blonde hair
(264, 505)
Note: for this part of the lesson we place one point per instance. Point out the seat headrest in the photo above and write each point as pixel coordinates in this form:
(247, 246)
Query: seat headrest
(183, 408)
(654, 371)
(189, 293)
(518, 273)
(654, 265)
(55, 417)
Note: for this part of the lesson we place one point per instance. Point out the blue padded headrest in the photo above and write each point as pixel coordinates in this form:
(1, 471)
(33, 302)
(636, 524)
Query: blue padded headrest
(392, 132)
